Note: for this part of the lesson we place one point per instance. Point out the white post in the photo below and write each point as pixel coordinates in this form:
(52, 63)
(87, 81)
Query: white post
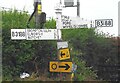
(58, 19)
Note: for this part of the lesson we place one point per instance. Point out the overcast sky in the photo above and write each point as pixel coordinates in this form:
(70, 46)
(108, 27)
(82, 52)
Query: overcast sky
(89, 9)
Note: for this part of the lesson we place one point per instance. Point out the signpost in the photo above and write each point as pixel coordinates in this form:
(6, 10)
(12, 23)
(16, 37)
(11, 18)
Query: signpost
(62, 22)
(60, 66)
(64, 54)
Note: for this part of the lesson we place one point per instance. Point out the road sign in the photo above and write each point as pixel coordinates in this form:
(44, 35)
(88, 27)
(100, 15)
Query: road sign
(18, 34)
(64, 54)
(42, 34)
(60, 66)
(104, 23)
(62, 44)
(35, 34)
(76, 22)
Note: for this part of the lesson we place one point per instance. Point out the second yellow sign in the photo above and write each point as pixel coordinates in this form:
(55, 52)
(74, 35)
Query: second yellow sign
(64, 54)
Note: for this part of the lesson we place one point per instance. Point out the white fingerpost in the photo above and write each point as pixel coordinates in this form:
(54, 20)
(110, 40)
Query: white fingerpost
(58, 12)
(58, 16)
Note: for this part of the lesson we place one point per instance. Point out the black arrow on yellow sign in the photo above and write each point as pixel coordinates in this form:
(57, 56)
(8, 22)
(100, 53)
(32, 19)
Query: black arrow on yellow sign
(66, 66)
(62, 54)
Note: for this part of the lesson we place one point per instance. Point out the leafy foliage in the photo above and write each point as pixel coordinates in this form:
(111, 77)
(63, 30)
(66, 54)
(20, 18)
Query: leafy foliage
(99, 53)
(50, 24)
(92, 52)
(18, 55)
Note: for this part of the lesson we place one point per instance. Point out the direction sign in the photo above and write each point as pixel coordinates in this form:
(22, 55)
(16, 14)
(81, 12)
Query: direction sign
(42, 34)
(62, 44)
(76, 22)
(35, 34)
(60, 66)
(64, 54)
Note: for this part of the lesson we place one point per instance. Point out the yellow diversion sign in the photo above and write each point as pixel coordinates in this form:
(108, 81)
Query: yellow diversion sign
(60, 66)
(64, 54)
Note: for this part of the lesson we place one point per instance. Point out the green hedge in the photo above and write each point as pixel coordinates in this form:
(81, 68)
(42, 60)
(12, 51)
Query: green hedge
(89, 49)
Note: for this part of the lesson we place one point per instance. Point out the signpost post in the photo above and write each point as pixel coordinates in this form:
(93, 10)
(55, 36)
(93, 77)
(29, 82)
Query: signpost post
(63, 54)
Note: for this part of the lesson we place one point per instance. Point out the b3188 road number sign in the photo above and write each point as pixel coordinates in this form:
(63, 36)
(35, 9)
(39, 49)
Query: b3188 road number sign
(18, 34)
